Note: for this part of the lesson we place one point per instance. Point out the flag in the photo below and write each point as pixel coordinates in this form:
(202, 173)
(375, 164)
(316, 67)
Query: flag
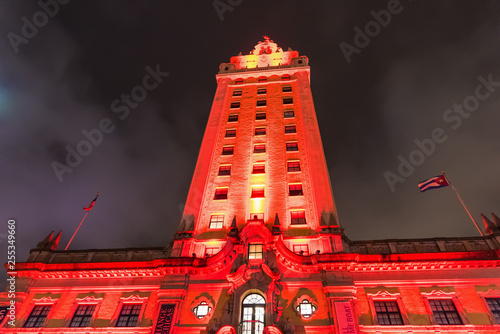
(91, 203)
(433, 183)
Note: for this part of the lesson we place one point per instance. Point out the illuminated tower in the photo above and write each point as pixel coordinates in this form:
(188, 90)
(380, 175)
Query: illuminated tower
(261, 159)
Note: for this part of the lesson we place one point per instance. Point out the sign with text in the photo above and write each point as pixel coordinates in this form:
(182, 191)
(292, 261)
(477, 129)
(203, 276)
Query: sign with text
(165, 317)
(345, 318)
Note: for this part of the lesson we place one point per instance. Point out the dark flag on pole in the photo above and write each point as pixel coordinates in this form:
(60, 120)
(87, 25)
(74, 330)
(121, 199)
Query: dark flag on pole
(91, 203)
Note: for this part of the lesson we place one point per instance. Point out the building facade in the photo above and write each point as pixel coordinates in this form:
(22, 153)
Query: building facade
(259, 248)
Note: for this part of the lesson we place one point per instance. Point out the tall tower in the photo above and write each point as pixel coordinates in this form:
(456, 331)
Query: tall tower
(261, 159)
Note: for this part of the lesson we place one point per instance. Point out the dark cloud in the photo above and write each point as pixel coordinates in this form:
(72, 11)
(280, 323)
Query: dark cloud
(370, 111)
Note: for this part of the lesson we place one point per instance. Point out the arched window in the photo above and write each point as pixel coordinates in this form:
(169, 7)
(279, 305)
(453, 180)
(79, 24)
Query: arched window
(253, 309)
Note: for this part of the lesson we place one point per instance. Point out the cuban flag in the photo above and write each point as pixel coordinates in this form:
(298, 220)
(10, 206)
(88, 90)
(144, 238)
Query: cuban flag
(433, 183)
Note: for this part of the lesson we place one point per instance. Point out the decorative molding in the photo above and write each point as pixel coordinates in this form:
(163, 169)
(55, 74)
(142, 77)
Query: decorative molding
(438, 293)
(489, 293)
(134, 298)
(383, 294)
(45, 300)
(89, 299)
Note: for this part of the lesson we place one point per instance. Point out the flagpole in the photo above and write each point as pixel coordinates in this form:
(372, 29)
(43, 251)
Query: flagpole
(76, 230)
(463, 204)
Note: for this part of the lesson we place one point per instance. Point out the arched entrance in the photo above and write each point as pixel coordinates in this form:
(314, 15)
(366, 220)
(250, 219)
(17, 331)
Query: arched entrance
(253, 309)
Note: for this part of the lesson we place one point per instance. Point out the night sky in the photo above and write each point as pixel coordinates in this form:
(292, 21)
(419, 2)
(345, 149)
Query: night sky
(396, 89)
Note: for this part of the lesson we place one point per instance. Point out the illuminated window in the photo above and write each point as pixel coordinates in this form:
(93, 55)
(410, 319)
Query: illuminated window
(235, 105)
(494, 305)
(259, 169)
(216, 221)
(259, 148)
(290, 129)
(445, 312)
(295, 190)
(253, 309)
(257, 191)
(202, 310)
(302, 250)
(293, 166)
(388, 312)
(260, 131)
(285, 77)
(220, 193)
(292, 146)
(82, 316)
(232, 118)
(260, 116)
(224, 170)
(261, 91)
(129, 315)
(298, 217)
(237, 92)
(227, 150)
(211, 251)
(287, 100)
(38, 316)
(230, 133)
(257, 216)
(261, 103)
(288, 114)
(286, 89)
(306, 309)
(255, 251)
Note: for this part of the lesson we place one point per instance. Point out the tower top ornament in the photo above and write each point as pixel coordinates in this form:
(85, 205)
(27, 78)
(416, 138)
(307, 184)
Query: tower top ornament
(266, 47)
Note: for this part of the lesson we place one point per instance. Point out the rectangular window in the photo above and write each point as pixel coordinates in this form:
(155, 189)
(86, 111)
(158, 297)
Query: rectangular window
(82, 316)
(237, 92)
(257, 191)
(129, 315)
(298, 217)
(235, 105)
(287, 100)
(224, 170)
(290, 129)
(259, 169)
(445, 312)
(256, 216)
(260, 116)
(211, 250)
(494, 305)
(260, 131)
(262, 79)
(295, 190)
(286, 77)
(388, 312)
(261, 103)
(230, 133)
(293, 166)
(239, 81)
(302, 250)
(228, 150)
(232, 118)
(259, 148)
(292, 146)
(288, 114)
(38, 316)
(286, 89)
(220, 193)
(255, 251)
(261, 91)
(216, 221)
